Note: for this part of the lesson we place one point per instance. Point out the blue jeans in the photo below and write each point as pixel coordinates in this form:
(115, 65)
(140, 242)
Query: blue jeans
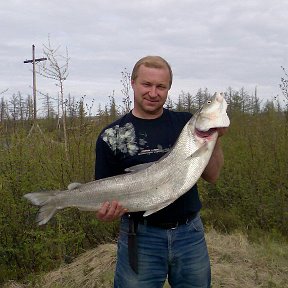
(180, 253)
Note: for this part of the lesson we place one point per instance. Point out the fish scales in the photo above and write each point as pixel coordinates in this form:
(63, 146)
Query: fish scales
(153, 186)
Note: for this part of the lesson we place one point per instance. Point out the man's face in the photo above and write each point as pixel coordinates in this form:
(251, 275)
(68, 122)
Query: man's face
(150, 91)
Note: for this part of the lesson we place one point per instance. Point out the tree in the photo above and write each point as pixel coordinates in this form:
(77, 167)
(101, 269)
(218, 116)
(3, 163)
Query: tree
(244, 100)
(48, 106)
(29, 107)
(2, 92)
(255, 103)
(188, 101)
(169, 103)
(201, 97)
(3, 110)
(126, 83)
(284, 86)
(57, 69)
(269, 107)
(14, 107)
(113, 112)
(179, 105)
(236, 104)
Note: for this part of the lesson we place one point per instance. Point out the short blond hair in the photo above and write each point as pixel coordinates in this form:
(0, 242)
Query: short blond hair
(152, 62)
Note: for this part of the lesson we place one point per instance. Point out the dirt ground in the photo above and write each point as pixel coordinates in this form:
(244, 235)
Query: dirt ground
(234, 262)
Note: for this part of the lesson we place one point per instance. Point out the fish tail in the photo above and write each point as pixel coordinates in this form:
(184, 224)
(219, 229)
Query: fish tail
(45, 213)
(43, 199)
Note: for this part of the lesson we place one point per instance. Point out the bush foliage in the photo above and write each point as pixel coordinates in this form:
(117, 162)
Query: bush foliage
(251, 193)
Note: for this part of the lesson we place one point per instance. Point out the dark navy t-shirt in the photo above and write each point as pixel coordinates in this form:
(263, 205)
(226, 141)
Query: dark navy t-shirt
(130, 141)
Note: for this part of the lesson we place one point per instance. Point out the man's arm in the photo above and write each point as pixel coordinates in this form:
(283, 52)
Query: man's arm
(104, 167)
(216, 162)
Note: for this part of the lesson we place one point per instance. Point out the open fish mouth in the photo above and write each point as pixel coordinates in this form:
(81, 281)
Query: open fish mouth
(205, 134)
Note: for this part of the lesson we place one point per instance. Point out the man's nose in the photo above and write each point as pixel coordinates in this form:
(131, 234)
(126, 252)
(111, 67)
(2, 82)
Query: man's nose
(153, 91)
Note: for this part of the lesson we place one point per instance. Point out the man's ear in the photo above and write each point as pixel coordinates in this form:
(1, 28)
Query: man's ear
(132, 82)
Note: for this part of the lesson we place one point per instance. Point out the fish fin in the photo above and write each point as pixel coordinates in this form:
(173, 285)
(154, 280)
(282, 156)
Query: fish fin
(165, 204)
(87, 208)
(42, 199)
(45, 213)
(74, 185)
(199, 151)
(138, 167)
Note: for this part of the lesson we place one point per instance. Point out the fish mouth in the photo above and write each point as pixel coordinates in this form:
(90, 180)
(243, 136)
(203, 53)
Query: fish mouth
(205, 134)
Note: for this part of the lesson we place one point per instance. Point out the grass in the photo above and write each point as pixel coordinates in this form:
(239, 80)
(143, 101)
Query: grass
(235, 263)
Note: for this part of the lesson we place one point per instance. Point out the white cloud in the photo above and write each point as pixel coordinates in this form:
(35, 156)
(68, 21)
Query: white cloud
(209, 43)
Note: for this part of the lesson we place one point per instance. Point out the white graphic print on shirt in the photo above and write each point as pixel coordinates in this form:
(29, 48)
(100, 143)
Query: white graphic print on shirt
(124, 139)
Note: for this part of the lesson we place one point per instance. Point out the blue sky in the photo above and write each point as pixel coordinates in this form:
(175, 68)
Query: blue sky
(209, 44)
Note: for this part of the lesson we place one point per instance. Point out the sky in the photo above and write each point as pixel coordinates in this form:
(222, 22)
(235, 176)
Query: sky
(212, 44)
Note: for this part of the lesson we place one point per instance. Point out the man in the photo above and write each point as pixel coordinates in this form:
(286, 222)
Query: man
(171, 241)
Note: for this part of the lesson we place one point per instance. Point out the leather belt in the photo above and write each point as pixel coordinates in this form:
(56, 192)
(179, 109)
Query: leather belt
(168, 225)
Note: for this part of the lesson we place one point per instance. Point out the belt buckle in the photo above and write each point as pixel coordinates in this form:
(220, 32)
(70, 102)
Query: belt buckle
(177, 224)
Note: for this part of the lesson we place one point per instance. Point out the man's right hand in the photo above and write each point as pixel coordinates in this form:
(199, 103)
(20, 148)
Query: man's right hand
(110, 211)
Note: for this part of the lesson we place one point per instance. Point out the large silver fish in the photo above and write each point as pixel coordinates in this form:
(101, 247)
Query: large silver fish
(149, 187)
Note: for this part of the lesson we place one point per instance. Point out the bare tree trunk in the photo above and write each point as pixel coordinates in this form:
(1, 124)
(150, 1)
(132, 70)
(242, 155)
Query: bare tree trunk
(63, 106)
(57, 69)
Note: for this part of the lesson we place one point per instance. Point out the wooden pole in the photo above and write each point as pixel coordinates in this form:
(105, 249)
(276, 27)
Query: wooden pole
(33, 61)
(34, 84)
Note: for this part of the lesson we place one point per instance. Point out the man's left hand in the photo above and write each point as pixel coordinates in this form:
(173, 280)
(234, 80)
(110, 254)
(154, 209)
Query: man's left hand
(221, 131)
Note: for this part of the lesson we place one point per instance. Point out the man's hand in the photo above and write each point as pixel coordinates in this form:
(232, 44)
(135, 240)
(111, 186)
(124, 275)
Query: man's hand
(110, 212)
(222, 131)
(216, 162)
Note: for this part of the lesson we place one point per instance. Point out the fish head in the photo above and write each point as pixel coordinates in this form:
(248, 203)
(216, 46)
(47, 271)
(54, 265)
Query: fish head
(211, 116)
